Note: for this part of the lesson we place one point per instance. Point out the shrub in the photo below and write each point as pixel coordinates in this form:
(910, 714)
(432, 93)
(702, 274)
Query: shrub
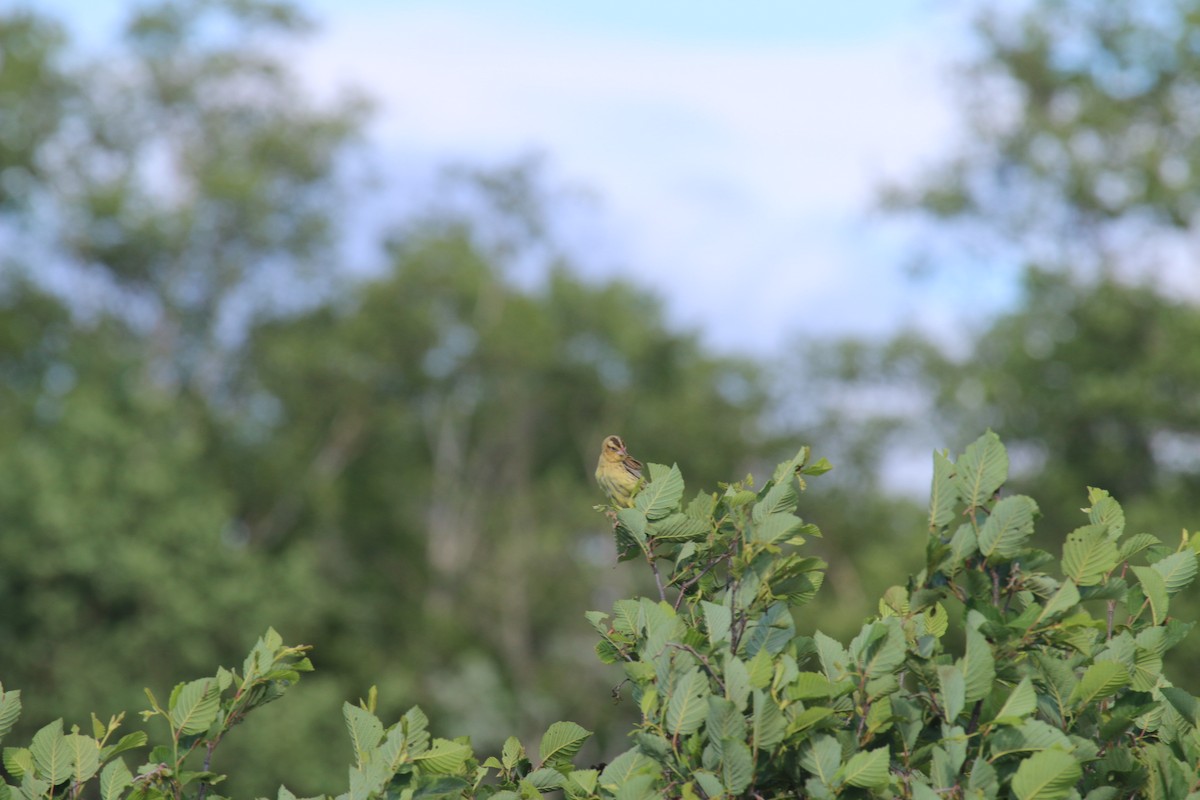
(1055, 690)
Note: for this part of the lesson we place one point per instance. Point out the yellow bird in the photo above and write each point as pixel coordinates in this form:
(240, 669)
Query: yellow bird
(618, 473)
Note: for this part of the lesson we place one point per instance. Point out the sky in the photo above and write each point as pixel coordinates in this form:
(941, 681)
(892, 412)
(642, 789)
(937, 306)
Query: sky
(733, 151)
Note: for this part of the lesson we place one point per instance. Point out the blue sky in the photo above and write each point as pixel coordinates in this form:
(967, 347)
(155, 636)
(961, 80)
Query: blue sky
(735, 149)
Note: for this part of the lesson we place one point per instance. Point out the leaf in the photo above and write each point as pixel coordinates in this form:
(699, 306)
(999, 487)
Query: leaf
(561, 742)
(130, 741)
(1088, 555)
(50, 755)
(1177, 570)
(1062, 601)
(1101, 679)
(443, 758)
(546, 779)
(1155, 590)
(1107, 512)
(1136, 544)
(1183, 702)
(978, 667)
(809, 686)
(1020, 703)
(821, 756)
(194, 706)
(18, 761)
(688, 703)
(981, 470)
(767, 726)
(10, 709)
(85, 756)
(867, 769)
(1047, 775)
(834, 658)
(775, 527)
(115, 778)
(717, 620)
(943, 494)
(1007, 527)
(365, 730)
(737, 766)
(953, 689)
(679, 528)
(662, 494)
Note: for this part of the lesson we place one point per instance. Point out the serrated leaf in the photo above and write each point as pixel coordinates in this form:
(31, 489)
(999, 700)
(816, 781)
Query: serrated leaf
(1183, 702)
(1008, 527)
(834, 658)
(115, 778)
(545, 779)
(561, 742)
(1136, 544)
(18, 761)
(821, 756)
(1089, 554)
(85, 756)
(775, 527)
(194, 706)
(511, 753)
(50, 755)
(678, 528)
(1177, 570)
(943, 494)
(688, 703)
(737, 766)
(952, 689)
(1062, 601)
(1155, 590)
(10, 710)
(662, 494)
(1102, 679)
(443, 757)
(809, 686)
(981, 470)
(1147, 669)
(978, 667)
(717, 621)
(1048, 775)
(1107, 512)
(130, 741)
(1020, 703)
(767, 725)
(867, 769)
(365, 730)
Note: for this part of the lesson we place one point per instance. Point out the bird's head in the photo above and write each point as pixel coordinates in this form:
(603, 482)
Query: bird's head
(613, 448)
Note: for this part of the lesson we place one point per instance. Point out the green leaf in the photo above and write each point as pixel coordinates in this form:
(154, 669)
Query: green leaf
(1089, 554)
(1155, 590)
(737, 766)
(943, 495)
(194, 706)
(1147, 669)
(546, 779)
(1101, 679)
(18, 761)
(561, 742)
(717, 620)
(809, 686)
(50, 754)
(85, 756)
(1136, 544)
(1107, 512)
(834, 658)
(767, 726)
(1183, 702)
(1007, 527)
(1047, 775)
(661, 496)
(115, 778)
(1177, 570)
(821, 756)
(679, 528)
(981, 470)
(130, 741)
(511, 753)
(1062, 601)
(1021, 702)
(867, 769)
(775, 527)
(365, 730)
(688, 703)
(10, 709)
(978, 667)
(633, 522)
(443, 758)
(953, 689)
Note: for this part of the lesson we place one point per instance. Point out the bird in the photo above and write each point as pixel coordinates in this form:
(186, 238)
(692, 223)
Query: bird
(618, 473)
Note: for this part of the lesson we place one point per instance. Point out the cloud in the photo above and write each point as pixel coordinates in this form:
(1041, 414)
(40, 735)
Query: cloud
(737, 173)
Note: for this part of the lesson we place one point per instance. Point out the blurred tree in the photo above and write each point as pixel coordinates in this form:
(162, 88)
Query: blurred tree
(436, 434)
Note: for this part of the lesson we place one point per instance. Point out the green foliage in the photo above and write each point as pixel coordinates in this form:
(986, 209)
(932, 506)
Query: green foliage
(1057, 691)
